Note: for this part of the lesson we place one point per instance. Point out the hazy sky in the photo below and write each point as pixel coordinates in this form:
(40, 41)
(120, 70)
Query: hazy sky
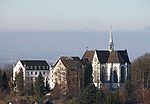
(68, 26)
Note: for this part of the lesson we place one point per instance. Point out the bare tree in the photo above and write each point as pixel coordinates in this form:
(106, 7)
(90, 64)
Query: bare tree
(141, 78)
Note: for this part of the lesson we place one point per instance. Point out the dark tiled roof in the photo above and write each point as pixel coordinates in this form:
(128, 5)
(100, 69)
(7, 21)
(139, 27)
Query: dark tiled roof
(102, 55)
(88, 55)
(115, 57)
(124, 55)
(35, 64)
(71, 62)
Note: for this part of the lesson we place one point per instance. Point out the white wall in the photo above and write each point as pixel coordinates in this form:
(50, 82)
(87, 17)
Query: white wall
(58, 67)
(96, 65)
(27, 73)
(16, 69)
(96, 70)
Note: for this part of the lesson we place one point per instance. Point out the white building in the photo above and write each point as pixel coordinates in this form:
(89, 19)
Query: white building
(32, 68)
(110, 67)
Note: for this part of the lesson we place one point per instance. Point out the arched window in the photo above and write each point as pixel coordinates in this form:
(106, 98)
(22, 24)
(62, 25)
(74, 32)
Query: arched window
(103, 75)
(115, 76)
(122, 74)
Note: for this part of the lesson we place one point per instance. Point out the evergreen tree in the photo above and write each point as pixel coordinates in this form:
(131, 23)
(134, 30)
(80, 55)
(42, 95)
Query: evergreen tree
(89, 94)
(88, 78)
(116, 97)
(29, 87)
(19, 80)
(100, 97)
(1, 82)
(39, 86)
(5, 85)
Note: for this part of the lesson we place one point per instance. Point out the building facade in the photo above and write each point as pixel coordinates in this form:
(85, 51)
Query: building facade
(32, 68)
(110, 67)
(67, 73)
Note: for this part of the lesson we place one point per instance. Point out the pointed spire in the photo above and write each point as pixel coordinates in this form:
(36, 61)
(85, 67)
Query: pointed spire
(111, 43)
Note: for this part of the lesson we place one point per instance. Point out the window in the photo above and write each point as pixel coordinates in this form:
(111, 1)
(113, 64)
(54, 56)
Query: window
(35, 67)
(27, 73)
(39, 67)
(47, 67)
(103, 75)
(40, 73)
(43, 73)
(35, 73)
(31, 67)
(43, 67)
(122, 74)
(31, 73)
(95, 77)
(27, 67)
(77, 80)
(115, 76)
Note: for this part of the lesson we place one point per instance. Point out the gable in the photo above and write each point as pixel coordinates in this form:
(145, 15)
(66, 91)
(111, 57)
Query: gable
(88, 55)
(59, 64)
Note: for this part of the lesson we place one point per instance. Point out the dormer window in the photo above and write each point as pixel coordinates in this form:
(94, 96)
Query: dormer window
(47, 67)
(31, 67)
(24, 65)
(43, 67)
(39, 67)
(35, 67)
(27, 67)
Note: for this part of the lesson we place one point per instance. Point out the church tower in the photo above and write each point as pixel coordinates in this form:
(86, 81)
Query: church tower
(111, 43)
